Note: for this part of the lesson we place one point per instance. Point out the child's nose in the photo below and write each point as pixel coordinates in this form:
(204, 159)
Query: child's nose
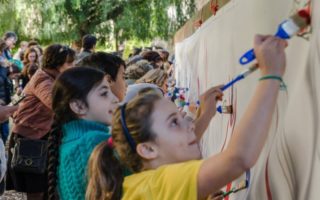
(115, 99)
(189, 125)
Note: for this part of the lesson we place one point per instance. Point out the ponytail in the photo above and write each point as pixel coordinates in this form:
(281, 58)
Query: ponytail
(105, 174)
(54, 141)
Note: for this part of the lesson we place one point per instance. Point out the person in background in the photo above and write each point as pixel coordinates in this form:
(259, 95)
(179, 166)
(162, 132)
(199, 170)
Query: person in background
(35, 45)
(5, 113)
(6, 88)
(156, 76)
(34, 118)
(136, 51)
(113, 66)
(88, 46)
(166, 63)
(19, 55)
(30, 56)
(10, 38)
(137, 70)
(154, 58)
(27, 72)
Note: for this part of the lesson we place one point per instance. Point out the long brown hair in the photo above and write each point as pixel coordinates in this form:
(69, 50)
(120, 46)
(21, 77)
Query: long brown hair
(106, 164)
(69, 86)
(26, 55)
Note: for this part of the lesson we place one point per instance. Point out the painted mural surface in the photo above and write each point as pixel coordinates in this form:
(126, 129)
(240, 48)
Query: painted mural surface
(289, 166)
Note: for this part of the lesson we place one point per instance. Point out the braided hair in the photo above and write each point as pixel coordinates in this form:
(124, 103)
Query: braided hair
(69, 86)
(54, 141)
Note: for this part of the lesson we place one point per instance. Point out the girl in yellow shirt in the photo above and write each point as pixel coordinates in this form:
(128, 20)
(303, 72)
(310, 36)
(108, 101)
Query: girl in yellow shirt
(159, 145)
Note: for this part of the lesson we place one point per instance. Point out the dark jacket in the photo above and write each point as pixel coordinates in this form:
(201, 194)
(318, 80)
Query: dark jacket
(5, 85)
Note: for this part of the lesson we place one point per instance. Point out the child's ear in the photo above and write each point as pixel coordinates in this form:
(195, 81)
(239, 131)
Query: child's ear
(109, 79)
(78, 107)
(147, 150)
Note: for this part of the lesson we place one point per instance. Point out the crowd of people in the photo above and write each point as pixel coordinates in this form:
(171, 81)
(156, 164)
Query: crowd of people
(91, 125)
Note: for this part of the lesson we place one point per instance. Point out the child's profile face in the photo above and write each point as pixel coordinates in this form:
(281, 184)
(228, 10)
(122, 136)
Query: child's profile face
(101, 103)
(175, 137)
(119, 87)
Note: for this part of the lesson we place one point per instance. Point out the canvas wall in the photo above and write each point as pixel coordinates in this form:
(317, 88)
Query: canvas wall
(289, 166)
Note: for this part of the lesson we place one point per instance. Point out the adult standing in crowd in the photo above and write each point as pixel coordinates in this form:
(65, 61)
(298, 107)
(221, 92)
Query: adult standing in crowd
(30, 61)
(10, 38)
(20, 53)
(5, 113)
(5, 87)
(34, 118)
(88, 47)
(36, 46)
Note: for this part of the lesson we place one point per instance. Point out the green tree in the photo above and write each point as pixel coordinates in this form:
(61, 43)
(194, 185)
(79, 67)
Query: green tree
(110, 20)
(7, 16)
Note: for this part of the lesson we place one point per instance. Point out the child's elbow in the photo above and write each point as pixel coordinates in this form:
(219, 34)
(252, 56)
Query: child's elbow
(243, 162)
(247, 162)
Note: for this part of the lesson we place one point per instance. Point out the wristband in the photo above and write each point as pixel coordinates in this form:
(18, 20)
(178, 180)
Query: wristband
(283, 86)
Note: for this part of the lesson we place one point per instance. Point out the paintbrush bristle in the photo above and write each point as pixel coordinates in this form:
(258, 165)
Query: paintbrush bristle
(302, 18)
(227, 109)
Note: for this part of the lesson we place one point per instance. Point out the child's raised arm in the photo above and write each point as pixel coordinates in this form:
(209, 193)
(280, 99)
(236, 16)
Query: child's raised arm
(207, 110)
(251, 132)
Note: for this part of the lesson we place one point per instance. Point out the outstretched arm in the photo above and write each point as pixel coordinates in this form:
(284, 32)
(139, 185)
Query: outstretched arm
(252, 130)
(6, 112)
(207, 110)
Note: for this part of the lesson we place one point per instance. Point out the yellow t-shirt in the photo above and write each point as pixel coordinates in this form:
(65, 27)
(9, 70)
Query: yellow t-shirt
(169, 182)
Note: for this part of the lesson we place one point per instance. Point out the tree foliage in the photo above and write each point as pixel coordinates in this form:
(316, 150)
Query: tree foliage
(119, 20)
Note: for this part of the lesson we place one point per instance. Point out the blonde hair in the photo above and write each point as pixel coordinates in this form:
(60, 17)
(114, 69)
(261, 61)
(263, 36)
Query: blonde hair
(105, 170)
(154, 76)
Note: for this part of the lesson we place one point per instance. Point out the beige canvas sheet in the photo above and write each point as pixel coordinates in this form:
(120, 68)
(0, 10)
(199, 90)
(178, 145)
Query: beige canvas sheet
(289, 166)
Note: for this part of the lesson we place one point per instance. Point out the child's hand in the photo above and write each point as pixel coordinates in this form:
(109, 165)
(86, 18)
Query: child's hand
(269, 51)
(217, 196)
(209, 99)
(19, 90)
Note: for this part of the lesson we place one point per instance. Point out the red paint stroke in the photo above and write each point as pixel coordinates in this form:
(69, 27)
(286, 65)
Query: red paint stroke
(206, 64)
(227, 131)
(214, 6)
(232, 122)
(225, 139)
(198, 86)
(234, 114)
(233, 117)
(227, 190)
(267, 182)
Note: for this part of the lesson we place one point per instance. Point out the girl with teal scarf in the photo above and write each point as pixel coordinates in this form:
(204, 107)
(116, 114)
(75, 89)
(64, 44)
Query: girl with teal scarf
(83, 105)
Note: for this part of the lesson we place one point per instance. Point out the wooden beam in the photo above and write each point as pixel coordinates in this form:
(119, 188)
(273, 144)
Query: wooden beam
(203, 14)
